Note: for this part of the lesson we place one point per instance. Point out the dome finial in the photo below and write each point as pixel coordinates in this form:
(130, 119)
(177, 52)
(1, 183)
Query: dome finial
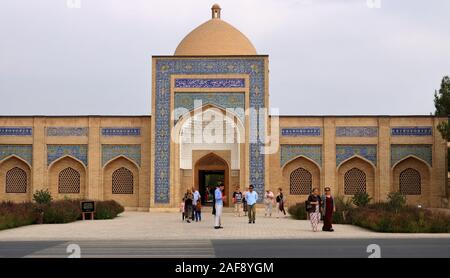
(216, 11)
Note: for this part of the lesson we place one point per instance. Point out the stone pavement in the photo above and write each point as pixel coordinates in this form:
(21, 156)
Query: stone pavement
(161, 226)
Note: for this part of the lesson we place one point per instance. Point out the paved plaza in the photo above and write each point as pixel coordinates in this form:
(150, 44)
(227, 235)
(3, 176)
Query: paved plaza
(168, 226)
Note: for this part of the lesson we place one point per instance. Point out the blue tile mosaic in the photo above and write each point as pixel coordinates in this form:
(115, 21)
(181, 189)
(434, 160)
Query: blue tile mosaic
(67, 131)
(165, 68)
(16, 131)
(289, 152)
(55, 152)
(188, 101)
(344, 152)
(210, 83)
(301, 131)
(23, 151)
(356, 131)
(399, 152)
(132, 152)
(121, 131)
(412, 131)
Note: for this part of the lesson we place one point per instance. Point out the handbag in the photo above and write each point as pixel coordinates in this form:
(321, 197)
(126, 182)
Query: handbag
(308, 205)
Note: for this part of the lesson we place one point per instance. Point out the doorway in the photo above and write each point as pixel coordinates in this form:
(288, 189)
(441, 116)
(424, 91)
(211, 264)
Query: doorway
(208, 180)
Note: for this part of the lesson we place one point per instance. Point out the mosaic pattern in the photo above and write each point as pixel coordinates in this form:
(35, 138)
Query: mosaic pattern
(344, 152)
(289, 152)
(55, 152)
(254, 67)
(189, 101)
(412, 131)
(352, 131)
(23, 151)
(121, 131)
(399, 152)
(210, 83)
(15, 131)
(132, 152)
(67, 131)
(301, 131)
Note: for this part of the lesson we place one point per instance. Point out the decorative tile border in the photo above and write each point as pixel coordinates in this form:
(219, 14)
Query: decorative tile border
(55, 152)
(16, 131)
(210, 83)
(121, 131)
(412, 131)
(301, 131)
(164, 69)
(23, 151)
(399, 152)
(222, 100)
(344, 152)
(67, 131)
(132, 152)
(356, 131)
(289, 152)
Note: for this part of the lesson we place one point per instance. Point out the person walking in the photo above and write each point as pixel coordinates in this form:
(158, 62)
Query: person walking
(182, 209)
(218, 197)
(244, 203)
(196, 199)
(328, 208)
(198, 212)
(188, 197)
(280, 203)
(237, 201)
(268, 203)
(251, 197)
(314, 208)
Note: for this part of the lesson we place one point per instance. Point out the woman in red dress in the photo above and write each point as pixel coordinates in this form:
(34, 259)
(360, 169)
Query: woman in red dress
(328, 210)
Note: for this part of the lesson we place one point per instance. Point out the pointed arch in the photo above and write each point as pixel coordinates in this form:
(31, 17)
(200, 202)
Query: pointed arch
(356, 174)
(359, 157)
(413, 157)
(124, 157)
(13, 156)
(121, 181)
(411, 176)
(15, 179)
(300, 175)
(300, 156)
(67, 178)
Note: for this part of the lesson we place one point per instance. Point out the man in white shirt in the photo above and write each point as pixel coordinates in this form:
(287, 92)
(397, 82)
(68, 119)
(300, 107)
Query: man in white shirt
(219, 205)
(251, 197)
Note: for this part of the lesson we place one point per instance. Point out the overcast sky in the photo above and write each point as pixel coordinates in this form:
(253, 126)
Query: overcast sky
(326, 57)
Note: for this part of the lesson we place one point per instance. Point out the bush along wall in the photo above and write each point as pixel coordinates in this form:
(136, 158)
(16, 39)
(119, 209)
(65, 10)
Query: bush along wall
(51, 212)
(392, 216)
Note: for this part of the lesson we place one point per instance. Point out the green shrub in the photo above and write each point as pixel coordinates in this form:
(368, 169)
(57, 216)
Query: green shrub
(298, 211)
(42, 197)
(396, 201)
(61, 211)
(107, 209)
(343, 206)
(361, 199)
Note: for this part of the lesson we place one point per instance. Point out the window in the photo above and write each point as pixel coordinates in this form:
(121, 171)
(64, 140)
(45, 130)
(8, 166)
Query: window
(301, 182)
(410, 182)
(69, 181)
(354, 181)
(16, 181)
(122, 181)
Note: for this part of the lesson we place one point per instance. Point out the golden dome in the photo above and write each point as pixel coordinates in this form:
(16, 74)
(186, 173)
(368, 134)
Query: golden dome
(215, 37)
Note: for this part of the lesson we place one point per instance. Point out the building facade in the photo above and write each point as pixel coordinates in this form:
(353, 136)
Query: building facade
(210, 125)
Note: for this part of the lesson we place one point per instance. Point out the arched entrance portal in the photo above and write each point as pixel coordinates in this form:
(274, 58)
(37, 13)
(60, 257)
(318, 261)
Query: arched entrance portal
(210, 171)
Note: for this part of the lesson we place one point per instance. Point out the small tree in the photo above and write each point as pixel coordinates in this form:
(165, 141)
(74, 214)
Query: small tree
(396, 201)
(42, 197)
(442, 104)
(361, 199)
